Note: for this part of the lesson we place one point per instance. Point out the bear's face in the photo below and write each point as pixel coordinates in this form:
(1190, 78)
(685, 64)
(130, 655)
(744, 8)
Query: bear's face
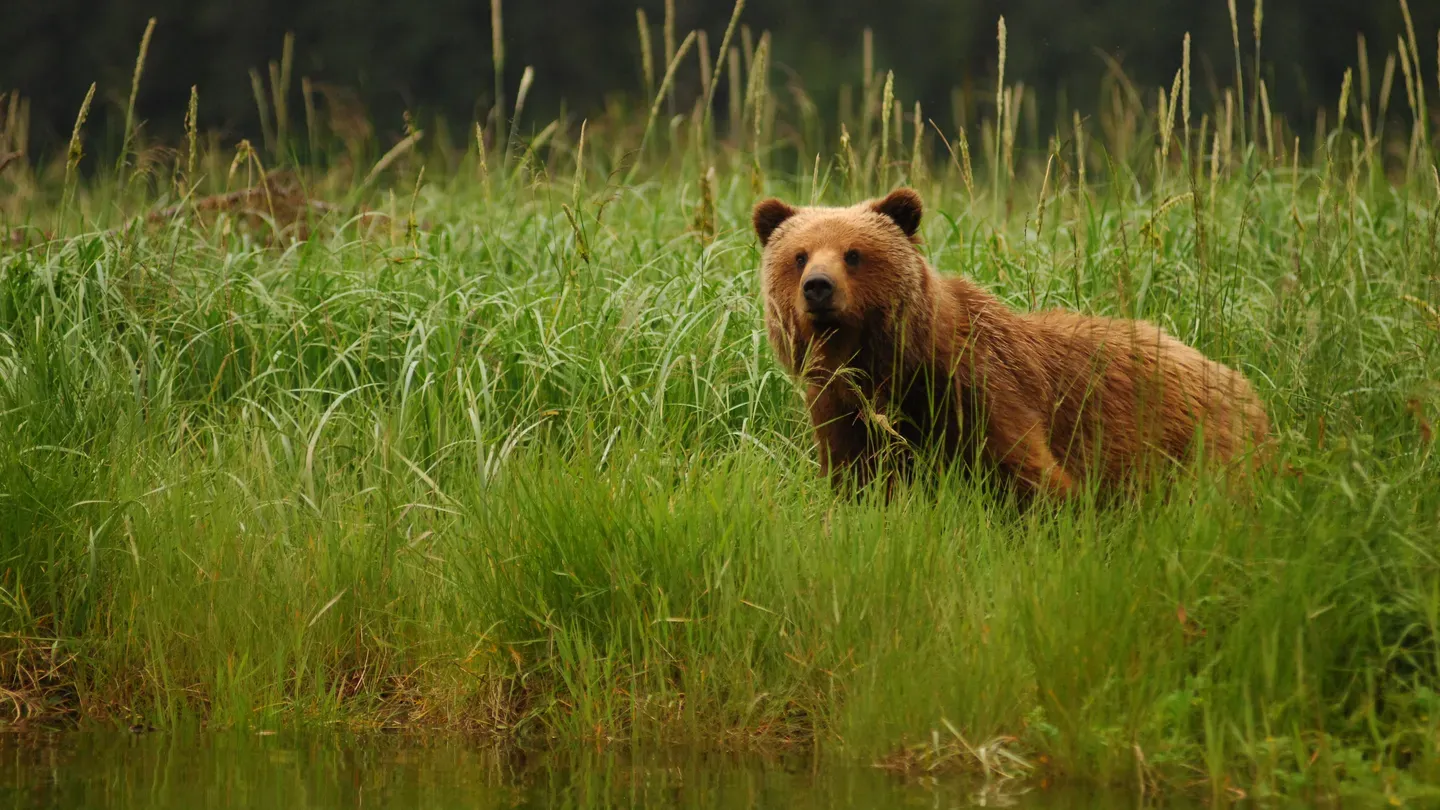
(838, 268)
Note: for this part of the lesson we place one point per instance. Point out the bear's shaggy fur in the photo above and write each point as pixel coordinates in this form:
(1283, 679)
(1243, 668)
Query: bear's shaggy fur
(889, 348)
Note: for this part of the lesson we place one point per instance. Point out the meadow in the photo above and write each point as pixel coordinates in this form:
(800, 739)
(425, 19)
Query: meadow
(478, 430)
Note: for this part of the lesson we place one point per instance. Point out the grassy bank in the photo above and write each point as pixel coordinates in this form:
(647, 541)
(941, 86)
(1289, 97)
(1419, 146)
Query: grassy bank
(499, 445)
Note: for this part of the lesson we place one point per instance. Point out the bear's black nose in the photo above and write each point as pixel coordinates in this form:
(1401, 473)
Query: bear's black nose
(818, 290)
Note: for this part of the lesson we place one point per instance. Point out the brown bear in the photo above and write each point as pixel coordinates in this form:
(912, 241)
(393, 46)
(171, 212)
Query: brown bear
(888, 348)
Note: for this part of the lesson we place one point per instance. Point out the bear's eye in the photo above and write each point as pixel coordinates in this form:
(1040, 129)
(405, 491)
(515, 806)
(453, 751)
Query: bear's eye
(852, 258)
(801, 258)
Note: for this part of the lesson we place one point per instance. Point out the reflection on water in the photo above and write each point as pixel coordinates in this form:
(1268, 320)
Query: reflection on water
(118, 770)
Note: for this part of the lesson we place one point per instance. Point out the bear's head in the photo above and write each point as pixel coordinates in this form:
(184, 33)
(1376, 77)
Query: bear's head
(827, 269)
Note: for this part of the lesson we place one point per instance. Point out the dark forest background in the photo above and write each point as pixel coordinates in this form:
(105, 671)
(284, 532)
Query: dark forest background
(434, 56)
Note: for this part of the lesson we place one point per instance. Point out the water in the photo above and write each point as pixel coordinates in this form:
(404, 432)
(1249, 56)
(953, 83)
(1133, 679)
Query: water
(119, 770)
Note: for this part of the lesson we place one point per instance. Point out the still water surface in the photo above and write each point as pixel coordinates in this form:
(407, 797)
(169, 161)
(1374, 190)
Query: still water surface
(131, 771)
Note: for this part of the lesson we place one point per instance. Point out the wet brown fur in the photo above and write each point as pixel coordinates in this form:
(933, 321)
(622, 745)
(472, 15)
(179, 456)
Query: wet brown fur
(1054, 400)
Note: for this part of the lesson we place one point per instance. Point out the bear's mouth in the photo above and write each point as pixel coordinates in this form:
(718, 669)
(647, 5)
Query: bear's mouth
(823, 315)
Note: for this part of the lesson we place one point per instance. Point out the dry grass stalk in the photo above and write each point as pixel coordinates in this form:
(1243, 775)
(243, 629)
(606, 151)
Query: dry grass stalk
(1040, 204)
(76, 149)
(647, 56)
(1417, 125)
(1269, 130)
(412, 227)
(282, 89)
(526, 80)
(886, 102)
(1185, 104)
(765, 129)
(19, 124)
(815, 181)
(668, 32)
(497, 50)
(747, 44)
(268, 191)
(1229, 128)
(1422, 114)
(761, 104)
(659, 99)
(898, 116)
(1363, 54)
(1353, 178)
(533, 148)
(1343, 112)
(1013, 101)
(993, 759)
(312, 136)
(736, 98)
(709, 81)
(954, 158)
(257, 87)
(35, 682)
(917, 158)
(1164, 113)
(1387, 83)
(867, 86)
(1428, 312)
(705, 214)
(1259, 21)
(579, 165)
(849, 166)
(1367, 130)
(1344, 108)
(1000, 100)
(391, 156)
(1214, 172)
(1000, 67)
(1409, 77)
(1239, 71)
(1167, 117)
(480, 151)
(282, 123)
(966, 167)
(1364, 59)
(128, 132)
(1295, 177)
(582, 245)
(702, 52)
(242, 157)
(1201, 140)
(15, 132)
(756, 87)
(192, 126)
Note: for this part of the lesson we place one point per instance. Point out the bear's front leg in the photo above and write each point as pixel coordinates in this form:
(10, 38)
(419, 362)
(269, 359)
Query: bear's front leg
(1017, 444)
(1017, 438)
(847, 455)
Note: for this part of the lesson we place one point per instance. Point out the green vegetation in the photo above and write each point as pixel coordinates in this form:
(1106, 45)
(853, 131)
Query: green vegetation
(507, 451)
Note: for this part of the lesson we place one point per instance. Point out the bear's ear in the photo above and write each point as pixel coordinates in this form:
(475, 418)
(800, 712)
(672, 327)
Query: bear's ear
(769, 215)
(904, 207)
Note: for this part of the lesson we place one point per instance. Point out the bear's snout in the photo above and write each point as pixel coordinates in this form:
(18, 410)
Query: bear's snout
(819, 292)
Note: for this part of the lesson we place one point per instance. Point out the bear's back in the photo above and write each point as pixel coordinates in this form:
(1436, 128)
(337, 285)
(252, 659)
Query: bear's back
(1137, 389)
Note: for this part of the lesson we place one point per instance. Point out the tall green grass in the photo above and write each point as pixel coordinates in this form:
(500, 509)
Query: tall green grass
(507, 451)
